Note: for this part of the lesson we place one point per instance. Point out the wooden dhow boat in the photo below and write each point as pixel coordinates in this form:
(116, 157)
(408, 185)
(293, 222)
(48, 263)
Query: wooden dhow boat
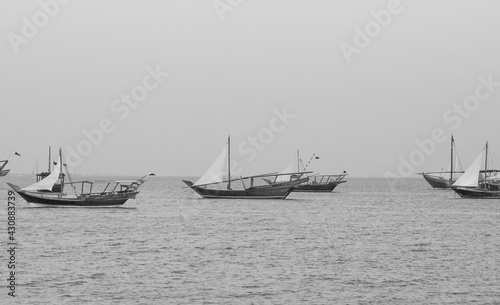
(77, 194)
(444, 179)
(476, 183)
(321, 183)
(316, 182)
(219, 174)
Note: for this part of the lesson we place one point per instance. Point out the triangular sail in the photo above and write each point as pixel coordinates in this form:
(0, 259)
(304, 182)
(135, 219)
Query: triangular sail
(471, 176)
(457, 163)
(216, 172)
(47, 183)
(286, 178)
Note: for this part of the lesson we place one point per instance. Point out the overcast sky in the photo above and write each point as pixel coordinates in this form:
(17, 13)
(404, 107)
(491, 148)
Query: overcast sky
(165, 83)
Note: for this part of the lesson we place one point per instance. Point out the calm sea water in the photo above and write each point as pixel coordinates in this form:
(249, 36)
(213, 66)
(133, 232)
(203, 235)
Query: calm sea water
(362, 244)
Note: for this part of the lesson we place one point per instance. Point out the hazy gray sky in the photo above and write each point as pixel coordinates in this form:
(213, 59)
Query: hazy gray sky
(356, 82)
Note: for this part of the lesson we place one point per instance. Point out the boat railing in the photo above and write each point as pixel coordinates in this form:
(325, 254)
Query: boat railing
(489, 173)
(268, 179)
(325, 179)
(291, 178)
(87, 188)
(441, 172)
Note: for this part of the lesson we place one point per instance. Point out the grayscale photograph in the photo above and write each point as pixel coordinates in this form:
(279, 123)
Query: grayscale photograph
(242, 152)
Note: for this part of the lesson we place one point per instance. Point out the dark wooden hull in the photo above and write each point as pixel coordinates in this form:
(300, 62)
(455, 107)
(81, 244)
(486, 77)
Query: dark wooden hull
(320, 188)
(476, 193)
(277, 191)
(438, 182)
(48, 200)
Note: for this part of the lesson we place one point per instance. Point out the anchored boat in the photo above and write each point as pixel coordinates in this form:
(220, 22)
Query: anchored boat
(444, 179)
(77, 194)
(316, 182)
(219, 174)
(476, 183)
(321, 183)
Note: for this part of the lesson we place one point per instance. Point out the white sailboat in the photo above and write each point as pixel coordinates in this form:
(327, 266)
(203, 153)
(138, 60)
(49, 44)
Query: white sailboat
(220, 173)
(444, 179)
(474, 183)
(43, 193)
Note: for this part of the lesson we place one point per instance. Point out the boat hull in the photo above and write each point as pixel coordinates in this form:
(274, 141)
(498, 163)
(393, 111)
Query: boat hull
(4, 172)
(51, 200)
(476, 193)
(90, 201)
(320, 188)
(438, 182)
(277, 191)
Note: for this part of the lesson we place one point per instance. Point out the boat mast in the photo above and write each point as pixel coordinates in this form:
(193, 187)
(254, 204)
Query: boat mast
(451, 168)
(49, 159)
(229, 162)
(486, 166)
(61, 170)
(298, 161)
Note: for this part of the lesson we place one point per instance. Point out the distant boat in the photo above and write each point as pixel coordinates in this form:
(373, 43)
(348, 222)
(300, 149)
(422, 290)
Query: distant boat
(216, 175)
(4, 172)
(479, 184)
(42, 194)
(321, 183)
(316, 182)
(444, 179)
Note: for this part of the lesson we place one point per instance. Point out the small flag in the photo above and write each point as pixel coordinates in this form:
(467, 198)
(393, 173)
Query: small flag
(17, 154)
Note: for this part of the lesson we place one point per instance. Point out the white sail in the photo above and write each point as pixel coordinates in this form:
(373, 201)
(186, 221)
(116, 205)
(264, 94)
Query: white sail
(216, 172)
(471, 176)
(47, 183)
(286, 178)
